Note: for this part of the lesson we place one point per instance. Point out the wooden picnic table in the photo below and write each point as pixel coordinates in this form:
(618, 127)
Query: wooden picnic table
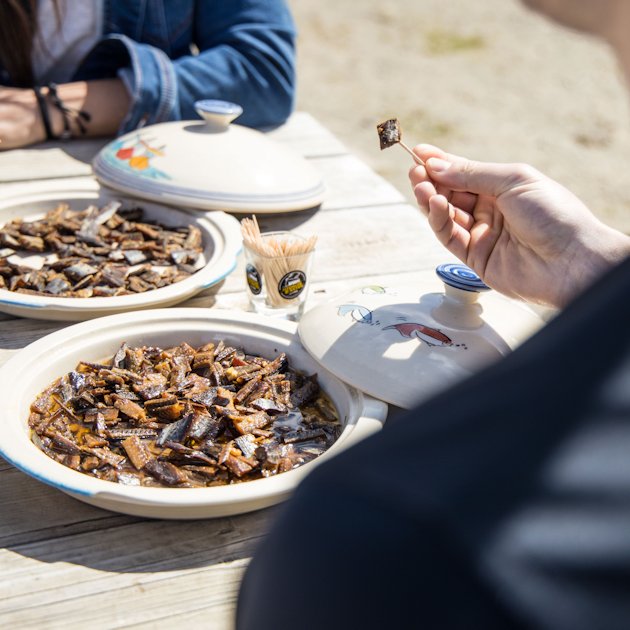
(64, 562)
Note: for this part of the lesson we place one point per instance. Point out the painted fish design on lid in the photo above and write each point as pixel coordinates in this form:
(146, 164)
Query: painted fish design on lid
(430, 336)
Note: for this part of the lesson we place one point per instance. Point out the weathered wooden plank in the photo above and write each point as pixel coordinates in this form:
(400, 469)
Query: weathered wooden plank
(305, 135)
(352, 183)
(46, 188)
(152, 599)
(19, 332)
(100, 561)
(213, 613)
(50, 160)
(33, 511)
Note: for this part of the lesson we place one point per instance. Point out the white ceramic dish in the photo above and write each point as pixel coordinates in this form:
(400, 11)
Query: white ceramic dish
(222, 244)
(210, 165)
(27, 374)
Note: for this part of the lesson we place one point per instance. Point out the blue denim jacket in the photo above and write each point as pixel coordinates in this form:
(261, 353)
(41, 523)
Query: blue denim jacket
(245, 55)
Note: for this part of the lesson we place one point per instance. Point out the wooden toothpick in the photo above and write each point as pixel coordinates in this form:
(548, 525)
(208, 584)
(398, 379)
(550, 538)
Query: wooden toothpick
(390, 133)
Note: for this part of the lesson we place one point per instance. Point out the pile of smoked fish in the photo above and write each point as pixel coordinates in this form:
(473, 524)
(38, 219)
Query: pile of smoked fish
(184, 417)
(96, 252)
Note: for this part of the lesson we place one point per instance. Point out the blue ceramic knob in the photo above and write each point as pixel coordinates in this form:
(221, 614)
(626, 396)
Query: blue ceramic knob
(461, 277)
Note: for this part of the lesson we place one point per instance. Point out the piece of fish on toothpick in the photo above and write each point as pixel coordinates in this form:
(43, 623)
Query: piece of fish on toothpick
(390, 133)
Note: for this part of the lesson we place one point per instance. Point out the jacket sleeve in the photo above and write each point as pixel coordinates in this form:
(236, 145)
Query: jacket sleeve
(246, 56)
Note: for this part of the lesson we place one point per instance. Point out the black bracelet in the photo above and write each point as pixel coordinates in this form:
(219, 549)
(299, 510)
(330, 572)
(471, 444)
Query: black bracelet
(43, 110)
(68, 114)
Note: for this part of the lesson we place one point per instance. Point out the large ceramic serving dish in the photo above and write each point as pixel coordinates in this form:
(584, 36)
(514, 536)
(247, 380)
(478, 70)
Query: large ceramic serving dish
(210, 164)
(222, 243)
(26, 374)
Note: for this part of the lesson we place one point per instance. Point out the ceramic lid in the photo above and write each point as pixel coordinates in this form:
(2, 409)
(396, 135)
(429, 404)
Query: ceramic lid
(210, 164)
(403, 345)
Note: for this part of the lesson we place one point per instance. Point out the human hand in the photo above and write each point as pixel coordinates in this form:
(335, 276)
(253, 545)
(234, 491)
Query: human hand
(20, 120)
(523, 233)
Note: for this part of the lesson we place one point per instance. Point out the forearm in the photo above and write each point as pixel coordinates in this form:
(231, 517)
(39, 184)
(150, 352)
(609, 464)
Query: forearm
(22, 124)
(105, 101)
(599, 251)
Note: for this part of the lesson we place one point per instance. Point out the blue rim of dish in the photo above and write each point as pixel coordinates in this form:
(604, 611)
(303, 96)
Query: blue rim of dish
(41, 477)
(22, 304)
(461, 277)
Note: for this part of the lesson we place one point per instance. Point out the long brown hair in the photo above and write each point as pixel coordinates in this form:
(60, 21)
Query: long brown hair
(18, 25)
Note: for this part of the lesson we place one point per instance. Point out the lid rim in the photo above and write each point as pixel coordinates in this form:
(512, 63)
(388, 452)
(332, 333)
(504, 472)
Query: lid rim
(218, 196)
(160, 161)
(405, 344)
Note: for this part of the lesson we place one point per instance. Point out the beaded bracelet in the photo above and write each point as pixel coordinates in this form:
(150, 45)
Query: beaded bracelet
(78, 116)
(68, 114)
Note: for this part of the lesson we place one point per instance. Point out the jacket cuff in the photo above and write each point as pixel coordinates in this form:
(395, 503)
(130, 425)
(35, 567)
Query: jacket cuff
(148, 76)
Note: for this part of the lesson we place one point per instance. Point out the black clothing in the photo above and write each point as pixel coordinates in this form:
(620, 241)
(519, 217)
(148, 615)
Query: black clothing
(503, 502)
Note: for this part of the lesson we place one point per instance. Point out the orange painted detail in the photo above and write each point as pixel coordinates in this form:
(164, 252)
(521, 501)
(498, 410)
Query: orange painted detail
(139, 162)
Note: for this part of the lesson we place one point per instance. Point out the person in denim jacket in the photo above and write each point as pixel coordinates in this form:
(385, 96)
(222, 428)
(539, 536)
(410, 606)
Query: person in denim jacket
(140, 68)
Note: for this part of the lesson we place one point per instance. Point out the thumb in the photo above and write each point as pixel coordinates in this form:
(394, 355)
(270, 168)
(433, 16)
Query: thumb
(480, 178)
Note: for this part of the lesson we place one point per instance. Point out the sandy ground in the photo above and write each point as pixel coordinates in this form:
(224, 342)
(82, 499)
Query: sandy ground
(488, 79)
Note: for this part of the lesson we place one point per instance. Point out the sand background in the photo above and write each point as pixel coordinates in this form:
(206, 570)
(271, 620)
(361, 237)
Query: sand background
(490, 80)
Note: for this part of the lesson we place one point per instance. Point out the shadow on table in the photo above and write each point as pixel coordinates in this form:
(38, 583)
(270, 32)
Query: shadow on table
(81, 150)
(284, 221)
(44, 524)
(23, 331)
(54, 159)
(26, 331)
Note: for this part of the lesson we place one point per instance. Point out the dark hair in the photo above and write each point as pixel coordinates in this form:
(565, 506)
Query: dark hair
(18, 25)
